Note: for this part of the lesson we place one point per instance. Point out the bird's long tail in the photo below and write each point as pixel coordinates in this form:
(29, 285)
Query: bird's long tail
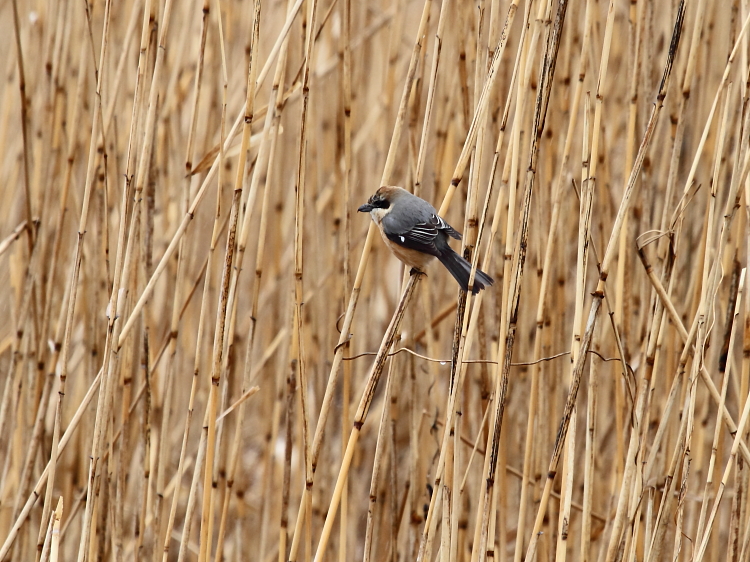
(461, 269)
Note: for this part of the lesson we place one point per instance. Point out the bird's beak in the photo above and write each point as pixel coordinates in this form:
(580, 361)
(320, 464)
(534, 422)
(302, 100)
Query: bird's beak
(366, 208)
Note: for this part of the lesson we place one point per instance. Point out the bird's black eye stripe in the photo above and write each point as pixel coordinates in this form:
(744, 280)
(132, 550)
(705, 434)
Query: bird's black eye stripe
(379, 203)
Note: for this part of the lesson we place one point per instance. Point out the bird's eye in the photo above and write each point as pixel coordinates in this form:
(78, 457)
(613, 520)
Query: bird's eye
(378, 202)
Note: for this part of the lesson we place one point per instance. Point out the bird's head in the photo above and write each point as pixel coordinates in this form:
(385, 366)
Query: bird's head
(382, 198)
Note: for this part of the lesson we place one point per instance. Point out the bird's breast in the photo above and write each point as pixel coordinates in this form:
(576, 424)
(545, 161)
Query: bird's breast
(412, 258)
(378, 215)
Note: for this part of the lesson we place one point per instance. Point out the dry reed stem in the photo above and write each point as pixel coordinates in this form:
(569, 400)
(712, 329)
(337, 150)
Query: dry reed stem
(427, 535)
(55, 544)
(735, 446)
(722, 401)
(297, 355)
(270, 131)
(588, 185)
(377, 462)
(332, 379)
(346, 92)
(588, 180)
(544, 283)
(546, 76)
(146, 293)
(598, 296)
(12, 237)
(379, 100)
(364, 406)
(387, 171)
(223, 314)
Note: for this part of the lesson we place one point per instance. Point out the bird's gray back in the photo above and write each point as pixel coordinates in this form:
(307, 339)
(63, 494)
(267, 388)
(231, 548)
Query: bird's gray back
(411, 211)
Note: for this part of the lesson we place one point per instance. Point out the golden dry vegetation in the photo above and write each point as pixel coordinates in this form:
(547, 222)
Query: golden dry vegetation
(206, 353)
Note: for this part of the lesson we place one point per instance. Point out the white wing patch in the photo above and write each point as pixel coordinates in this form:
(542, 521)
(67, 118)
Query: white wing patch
(402, 239)
(442, 225)
(423, 232)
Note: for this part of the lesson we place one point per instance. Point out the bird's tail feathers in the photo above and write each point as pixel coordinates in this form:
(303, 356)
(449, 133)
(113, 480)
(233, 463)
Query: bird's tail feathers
(461, 270)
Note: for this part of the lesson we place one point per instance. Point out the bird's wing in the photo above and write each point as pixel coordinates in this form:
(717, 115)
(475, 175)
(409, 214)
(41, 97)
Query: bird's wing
(422, 236)
(449, 230)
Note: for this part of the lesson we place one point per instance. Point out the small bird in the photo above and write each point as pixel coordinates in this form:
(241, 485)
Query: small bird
(413, 231)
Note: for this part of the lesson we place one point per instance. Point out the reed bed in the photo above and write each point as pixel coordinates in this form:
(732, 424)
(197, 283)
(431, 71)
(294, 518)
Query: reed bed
(206, 353)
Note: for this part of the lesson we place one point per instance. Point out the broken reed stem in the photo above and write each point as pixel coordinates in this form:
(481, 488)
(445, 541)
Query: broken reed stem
(55, 543)
(12, 237)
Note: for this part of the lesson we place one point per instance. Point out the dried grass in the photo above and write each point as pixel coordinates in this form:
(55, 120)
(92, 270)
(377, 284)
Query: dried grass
(193, 304)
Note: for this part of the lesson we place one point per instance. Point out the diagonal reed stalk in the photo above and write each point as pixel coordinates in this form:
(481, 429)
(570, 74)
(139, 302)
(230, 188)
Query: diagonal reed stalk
(364, 406)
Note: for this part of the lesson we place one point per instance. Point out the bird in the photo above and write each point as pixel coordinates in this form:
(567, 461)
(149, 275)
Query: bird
(413, 231)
